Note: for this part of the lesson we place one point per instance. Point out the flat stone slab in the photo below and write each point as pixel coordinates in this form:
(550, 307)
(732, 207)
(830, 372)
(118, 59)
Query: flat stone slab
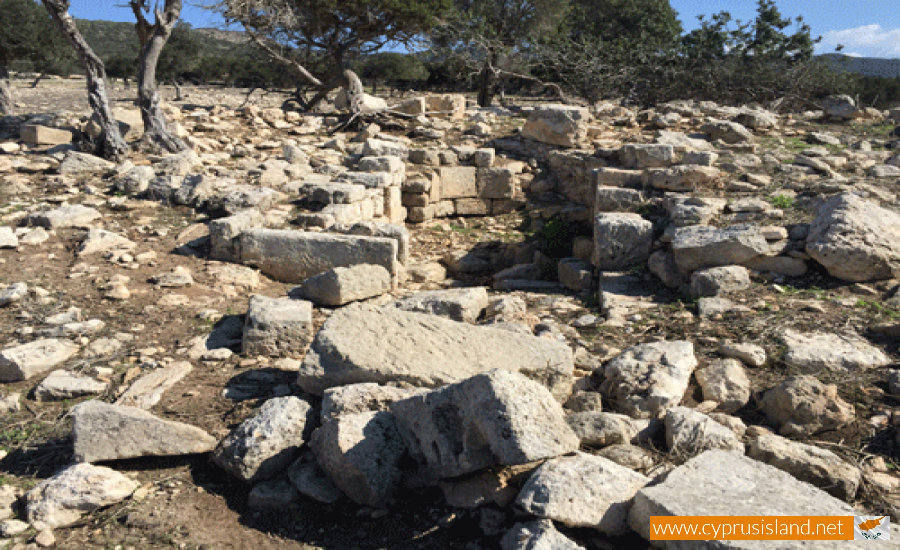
(147, 390)
(817, 351)
(70, 215)
(294, 256)
(726, 483)
(61, 384)
(700, 246)
(103, 431)
(362, 343)
(342, 285)
(583, 491)
(26, 360)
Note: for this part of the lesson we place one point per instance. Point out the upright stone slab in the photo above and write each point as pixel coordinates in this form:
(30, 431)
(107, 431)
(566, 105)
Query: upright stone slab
(277, 326)
(294, 256)
(362, 343)
(458, 182)
(498, 417)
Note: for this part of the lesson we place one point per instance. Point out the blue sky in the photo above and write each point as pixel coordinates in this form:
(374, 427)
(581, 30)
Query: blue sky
(869, 28)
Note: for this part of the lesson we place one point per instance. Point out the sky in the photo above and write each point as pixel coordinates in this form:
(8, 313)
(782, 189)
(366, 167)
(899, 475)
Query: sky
(868, 28)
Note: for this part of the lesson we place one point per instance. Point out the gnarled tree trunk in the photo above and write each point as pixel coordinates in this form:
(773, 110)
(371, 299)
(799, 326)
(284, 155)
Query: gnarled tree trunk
(487, 80)
(152, 39)
(111, 145)
(5, 94)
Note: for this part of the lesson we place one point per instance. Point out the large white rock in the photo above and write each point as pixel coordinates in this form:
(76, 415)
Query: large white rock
(855, 240)
(361, 454)
(808, 463)
(101, 241)
(103, 431)
(812, 352)
(362, 343)
(62, 384)
(562, 125)
(582, 491)
(26, 360)
(70, 215)
(261, 447)
(8, 238)
(498, 417)
(647, 379)
(725, 381)
(80, 163)
(79, 489)
(726, 483)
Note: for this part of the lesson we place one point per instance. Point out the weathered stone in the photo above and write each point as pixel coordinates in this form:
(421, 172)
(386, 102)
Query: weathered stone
(179, 277)
(780, 265)
(621, 240)
(103, 431)
(729, 132)
(617, 199)
(808, 463)
(26, 360)
(458, 182)
(725, 381)
(294, 256)
(447, 105)
(265, 445)
(662, 264)
(147, 390)
(71, 215)
(61, 384)
(498, 486)
(689, 432)
(600, 429)
(537, 535)
(8, 238)
(309, 479)
(841, 106)
(723, 483)
(647, 379)
(35, 134)
(681, 178)
(562, 125)
(360, 398)
(369, 103)
(496, 183)
(62, 499)
(14, 293)
(361, 454)
(712, 307)
(646, 155)
(80, 163)
(575, 274)
(751, 354)
(497, 417)
(342, 285)
(615, 177)
(179, 164)
(101, 241)
(803, 406)
(629, 456)
(382, 148)
(360, 343)
(719, 280)
(699, 247)
(276, 495)
(459, 304)
(224, 234)
(828, 351)
(855, 240)
(583, 491)
(277, 326)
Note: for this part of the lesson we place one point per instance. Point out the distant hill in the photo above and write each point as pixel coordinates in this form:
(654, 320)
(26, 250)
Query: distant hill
(111, 39)
(866, 66)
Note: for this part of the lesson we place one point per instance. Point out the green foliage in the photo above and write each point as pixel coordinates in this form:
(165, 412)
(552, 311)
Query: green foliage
(558, 237)
(392, 67)
(27, 32)
(647, 24)
(181, 54)
(783, 202)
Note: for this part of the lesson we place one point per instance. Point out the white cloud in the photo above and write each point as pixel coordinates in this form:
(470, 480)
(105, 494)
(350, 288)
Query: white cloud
(867, 41)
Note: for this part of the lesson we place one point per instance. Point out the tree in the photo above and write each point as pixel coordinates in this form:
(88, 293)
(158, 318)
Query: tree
(181, 55)
(152, 38)
(110, 144)
(339, 30)
(392, 68)
(26, 32)
(494, 36)
(633, 23)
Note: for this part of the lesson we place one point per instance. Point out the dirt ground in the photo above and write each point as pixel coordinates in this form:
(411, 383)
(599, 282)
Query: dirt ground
(189, 503)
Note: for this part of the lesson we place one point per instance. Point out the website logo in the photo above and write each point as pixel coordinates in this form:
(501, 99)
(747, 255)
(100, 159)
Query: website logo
(872, 528)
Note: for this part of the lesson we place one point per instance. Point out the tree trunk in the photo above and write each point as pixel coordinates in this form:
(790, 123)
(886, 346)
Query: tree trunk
(152, 39)
(486, 82)
(356, 94)
(38, 79)
(179, 92)
(5, 95)
(111, 145)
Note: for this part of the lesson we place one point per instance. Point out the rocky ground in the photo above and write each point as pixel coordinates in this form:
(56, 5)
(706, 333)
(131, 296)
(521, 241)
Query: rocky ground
(182, 366)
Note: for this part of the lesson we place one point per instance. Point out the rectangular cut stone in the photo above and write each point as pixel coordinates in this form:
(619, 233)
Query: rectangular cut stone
(473, 207)
(496, 183)
(458, 182)
(293, 256)
(42, 135)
